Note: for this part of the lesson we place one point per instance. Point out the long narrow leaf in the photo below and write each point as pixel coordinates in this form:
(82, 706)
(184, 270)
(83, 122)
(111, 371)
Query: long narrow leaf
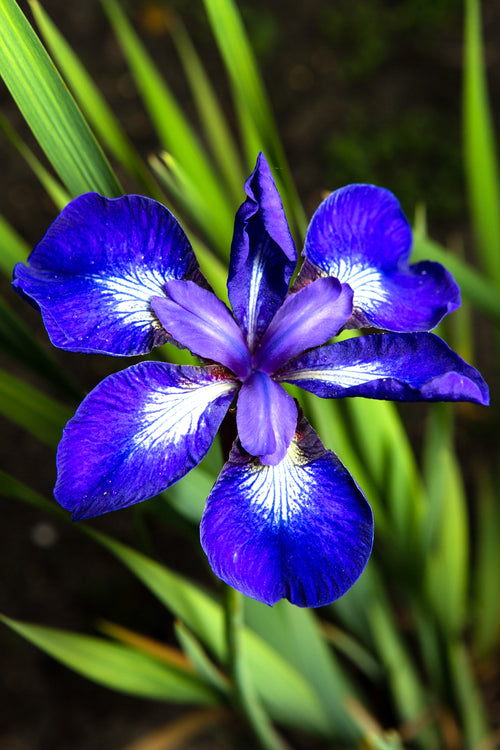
(13, 249)
(37, 413)
(17, 341)
(479, 290)
(250, 97)
(480, 155)
(447, 558)
(52, 186)
(212, 117)
(49, 109)
(96, 109)
(295, 634)
(114, 665)
(174, 131)
(285, 693)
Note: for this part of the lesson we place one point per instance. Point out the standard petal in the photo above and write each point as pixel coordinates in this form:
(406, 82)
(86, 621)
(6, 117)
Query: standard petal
(360, 235)
(138, 432)
(200, 321)
(263, 255)
(266, 417)
(395, 366)
(306, 319)
(301, 530)
(94, 273)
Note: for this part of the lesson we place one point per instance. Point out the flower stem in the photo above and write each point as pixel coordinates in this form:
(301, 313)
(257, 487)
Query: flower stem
(244, 691)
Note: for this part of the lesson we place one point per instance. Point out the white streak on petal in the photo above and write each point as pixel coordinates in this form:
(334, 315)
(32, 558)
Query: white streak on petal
(286, 499)
(254, 293)
(130, 295)
(177, 413)
(363, 372)
(365, 281)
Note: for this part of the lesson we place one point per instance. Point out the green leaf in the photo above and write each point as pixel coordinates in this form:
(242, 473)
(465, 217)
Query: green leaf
(28, 407)
(174, 130)
(446, 523)
(480, 291)
(251, 101)
(17, 341)
(295, 634)
(468, 696)
(49, 109)
(486, 619)
(93, 104)
(115, 665)
(53, 187)
(286, 695)
(480, 155)
(15, 489)
(192, 201)
(13, 249)
(197, 656)
(214, 123)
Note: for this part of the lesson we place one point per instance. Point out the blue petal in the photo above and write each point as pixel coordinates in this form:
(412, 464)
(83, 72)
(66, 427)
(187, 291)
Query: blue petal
(200, 321)
(301, 530)
(266, 417)
(360, 235)
(94, 273)
(263, 255)
(138, 432)
(307, 318)
(395, 366)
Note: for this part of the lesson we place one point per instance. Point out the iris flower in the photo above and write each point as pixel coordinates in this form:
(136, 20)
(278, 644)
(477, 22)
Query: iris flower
(119, 277)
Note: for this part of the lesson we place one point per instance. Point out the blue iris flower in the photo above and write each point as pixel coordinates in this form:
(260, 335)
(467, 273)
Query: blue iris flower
(284, 518)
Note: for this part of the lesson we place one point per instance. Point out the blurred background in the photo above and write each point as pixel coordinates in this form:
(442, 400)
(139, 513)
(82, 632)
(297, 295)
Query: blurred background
(363, 91)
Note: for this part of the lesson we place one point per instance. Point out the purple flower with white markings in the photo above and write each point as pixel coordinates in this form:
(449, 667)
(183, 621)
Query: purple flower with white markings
(284, 518)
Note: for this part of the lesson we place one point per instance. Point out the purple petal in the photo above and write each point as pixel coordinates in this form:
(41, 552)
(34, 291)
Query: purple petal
(266, 417)
(300, 530)
(360, 235)
(94, 273)
(200, 321)
(307, 318)
(138, 432)
(263, 255)
(395, 366)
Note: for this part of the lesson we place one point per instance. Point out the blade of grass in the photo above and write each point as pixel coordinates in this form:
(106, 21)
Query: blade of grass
(115, 665)
(37, 413)
(13, 249)
(296, 635)
(250, 98)
(52, 186)
(17, 341)
(214, 122)
(93, 104)
(49, 109)
(479, 290)
(480, 155)
(446, 524)
(486, 620)
(174, 130)
(284, 692)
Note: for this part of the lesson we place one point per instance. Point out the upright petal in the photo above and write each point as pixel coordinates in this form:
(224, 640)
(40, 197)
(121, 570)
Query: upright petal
(360, 235)
(300, 530)
(94, 273)
(200, 321)
(308, 318)
(395, 366)
(263, 255)
(266, 417)
(138, 432)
